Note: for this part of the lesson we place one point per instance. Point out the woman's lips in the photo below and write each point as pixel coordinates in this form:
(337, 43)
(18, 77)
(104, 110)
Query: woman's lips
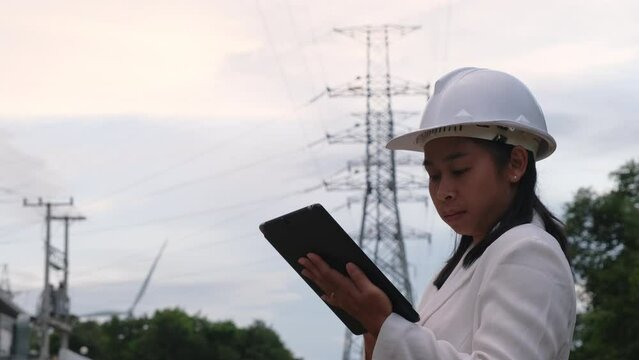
(452, 216)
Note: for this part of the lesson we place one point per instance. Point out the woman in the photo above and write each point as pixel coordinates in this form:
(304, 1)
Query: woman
(507, 291)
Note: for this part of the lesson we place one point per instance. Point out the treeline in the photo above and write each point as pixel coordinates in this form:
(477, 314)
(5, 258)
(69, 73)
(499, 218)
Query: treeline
(603, 230)
(172, 334)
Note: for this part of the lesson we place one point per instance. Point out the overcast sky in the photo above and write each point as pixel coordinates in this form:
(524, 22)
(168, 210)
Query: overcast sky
(189, 121)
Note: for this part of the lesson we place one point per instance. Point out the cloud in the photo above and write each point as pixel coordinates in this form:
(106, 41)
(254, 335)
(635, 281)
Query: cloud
(188, 59)
(93, 58)
(569, 59)
(23, 176)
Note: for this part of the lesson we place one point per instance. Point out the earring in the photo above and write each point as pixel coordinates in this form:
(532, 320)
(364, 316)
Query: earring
(514, 178)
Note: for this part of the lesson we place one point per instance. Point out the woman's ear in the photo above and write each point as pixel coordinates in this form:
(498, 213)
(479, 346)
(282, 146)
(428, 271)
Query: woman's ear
(517, 164)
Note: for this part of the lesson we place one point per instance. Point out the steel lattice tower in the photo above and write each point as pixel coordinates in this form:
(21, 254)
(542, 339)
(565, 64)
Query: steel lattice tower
(380, 233)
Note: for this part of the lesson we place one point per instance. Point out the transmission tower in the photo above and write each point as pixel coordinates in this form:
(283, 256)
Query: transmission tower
(380, 233)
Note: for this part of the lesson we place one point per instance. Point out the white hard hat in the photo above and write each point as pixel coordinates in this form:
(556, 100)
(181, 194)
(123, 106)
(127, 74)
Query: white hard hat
(484, 104)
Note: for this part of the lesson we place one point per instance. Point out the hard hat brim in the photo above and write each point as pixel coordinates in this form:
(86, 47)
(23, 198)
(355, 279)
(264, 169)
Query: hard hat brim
(528, 136)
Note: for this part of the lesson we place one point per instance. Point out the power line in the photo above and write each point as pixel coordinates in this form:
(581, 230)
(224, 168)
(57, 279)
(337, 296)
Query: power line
(197, 272)
(201, 212)
(307, 68)
(226, 172)
(85, 272)
(215, 243)
(138, 254)
(223, 268)
(19, 228)
(286, 84)
(82, 273)
(146, 178)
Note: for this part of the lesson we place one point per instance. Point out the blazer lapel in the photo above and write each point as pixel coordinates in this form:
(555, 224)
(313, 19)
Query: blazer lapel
(439, 297)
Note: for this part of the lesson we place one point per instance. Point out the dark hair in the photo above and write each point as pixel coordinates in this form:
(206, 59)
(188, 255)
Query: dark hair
(520, 211)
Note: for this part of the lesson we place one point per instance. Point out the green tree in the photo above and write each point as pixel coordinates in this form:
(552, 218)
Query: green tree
(603, 230)
(172, 334)
(261, 343)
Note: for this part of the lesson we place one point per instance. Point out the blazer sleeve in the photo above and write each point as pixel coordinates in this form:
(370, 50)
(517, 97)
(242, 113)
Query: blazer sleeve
(525, 309)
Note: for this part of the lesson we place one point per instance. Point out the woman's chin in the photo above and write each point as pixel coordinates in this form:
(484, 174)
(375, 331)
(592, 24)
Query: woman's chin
(460, 229)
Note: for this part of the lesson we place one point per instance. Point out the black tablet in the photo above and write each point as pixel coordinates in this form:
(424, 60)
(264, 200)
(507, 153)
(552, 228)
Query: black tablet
(313, 229)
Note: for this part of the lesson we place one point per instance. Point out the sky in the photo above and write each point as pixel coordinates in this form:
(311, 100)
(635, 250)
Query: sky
(192, 122)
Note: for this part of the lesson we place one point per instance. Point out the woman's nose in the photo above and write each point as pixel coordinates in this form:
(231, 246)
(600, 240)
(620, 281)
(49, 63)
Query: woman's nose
(445, 192)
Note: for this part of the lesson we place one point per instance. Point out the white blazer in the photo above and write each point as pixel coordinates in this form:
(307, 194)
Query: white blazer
(517, 301)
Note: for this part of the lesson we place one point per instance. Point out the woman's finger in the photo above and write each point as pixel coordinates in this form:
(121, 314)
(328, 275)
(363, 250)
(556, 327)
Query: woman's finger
(317, 260)
(312, 274)
(309, 266)
(321, 277)
(323, 269)
(337, 280)
(330, 299)
(306, 270)
(360, 280)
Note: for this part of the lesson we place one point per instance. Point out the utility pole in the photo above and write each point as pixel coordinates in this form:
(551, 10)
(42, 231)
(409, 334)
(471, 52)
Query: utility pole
(380, 233)
(44, 317)
(5, 284)
(63, 292)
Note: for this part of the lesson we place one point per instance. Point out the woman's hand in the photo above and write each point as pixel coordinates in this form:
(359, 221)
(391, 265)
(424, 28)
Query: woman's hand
(355, 294)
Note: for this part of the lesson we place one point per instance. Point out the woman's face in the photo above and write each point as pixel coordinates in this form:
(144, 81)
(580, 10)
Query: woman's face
(469, 192)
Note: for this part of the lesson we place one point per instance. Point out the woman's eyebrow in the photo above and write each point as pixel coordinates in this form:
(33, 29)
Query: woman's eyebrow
(448, 158)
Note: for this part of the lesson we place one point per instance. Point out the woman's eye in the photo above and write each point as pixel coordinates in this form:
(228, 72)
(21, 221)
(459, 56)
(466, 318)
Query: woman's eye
(460, 171)
(434, 177)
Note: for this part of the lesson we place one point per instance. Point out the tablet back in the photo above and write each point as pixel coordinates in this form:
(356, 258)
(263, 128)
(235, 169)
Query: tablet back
(312, 229)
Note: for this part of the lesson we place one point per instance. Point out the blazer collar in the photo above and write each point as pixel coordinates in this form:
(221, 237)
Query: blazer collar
(452, 284)
(438, 297)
